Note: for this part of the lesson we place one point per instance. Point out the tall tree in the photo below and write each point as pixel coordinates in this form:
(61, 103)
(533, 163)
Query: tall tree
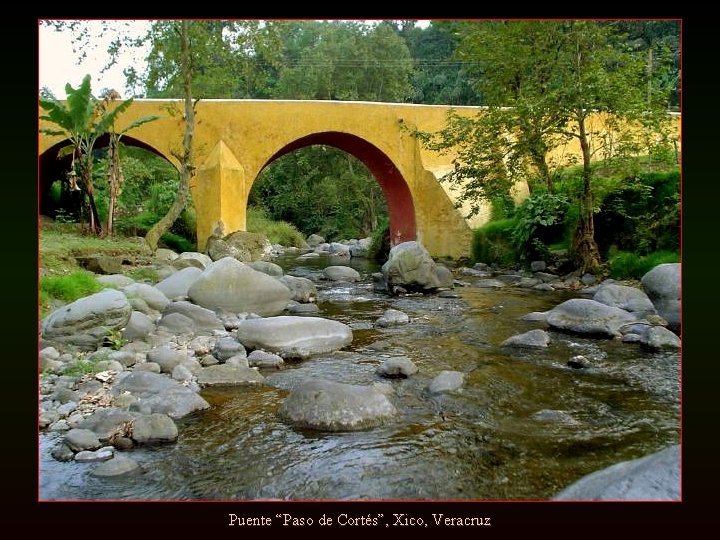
(345, 61)
(545, 79)
(83, 119)
(187, 170)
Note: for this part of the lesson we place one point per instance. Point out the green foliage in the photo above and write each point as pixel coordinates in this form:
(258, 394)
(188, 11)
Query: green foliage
(380, 241)
(321, 190)
(115, 339)
(344, 60)
(67, 288)
(493, 243)
(176, 242)
(625, 265)
(278, 232)
(143, 274)
(641, 215)
(80, 367)
(539, 222)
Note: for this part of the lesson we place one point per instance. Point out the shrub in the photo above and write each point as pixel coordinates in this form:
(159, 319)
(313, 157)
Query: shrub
(540, 221)
(492, 243)
(625, 265)
(380, 241)
(278, 232)
(176, 242)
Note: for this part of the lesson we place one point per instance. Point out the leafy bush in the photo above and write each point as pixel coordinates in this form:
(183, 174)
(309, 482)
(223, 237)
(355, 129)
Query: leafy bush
(642, 215)
(380, 241)
(492, 243)
(278, 232)
(176, 242)
(625, 265)
(539, 222)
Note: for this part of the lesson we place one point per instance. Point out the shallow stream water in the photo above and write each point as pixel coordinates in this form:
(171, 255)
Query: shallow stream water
(483, 443)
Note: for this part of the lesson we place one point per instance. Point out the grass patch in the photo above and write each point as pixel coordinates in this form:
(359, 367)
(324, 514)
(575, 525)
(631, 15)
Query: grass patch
(278, 232)
(143, 274)
(176, 242)
(492, 243)
(60, 243)
(67, 288)
(625, 265)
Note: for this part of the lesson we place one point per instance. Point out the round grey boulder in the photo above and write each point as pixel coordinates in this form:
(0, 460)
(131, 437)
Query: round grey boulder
(266, 267)
(225, 375)
(227, 347)
(533, 339)
(410, 267)
(586, 316)
(228, 284)
(651, 478)
(153, 428)
(294, 337)
(399, 366)
(264, 359)
(178, 284)
(662, 285)
(139, 326)
(332, 406)
(341, 273)
(392, 317)
(117, 466)
(301, 289)
(86, 322)
(204, 321)
(160, 394)
(82, 439)
(623, 297)
(446, 381)
(153, 297)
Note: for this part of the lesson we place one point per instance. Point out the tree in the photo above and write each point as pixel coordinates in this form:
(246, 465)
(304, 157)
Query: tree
(345, 61)
(543, 80)
(115, 175)
(83, 119)
(187, 169)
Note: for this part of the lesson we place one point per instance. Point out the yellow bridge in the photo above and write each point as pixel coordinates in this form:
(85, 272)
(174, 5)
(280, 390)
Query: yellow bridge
(235, 139)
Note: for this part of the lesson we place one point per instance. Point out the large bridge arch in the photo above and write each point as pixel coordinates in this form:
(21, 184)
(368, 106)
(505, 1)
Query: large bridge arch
(399, 200)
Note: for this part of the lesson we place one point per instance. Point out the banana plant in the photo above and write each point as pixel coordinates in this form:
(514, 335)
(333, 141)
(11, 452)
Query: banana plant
(82, 119)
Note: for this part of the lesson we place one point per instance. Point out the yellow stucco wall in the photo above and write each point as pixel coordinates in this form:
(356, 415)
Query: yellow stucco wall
(235, 139)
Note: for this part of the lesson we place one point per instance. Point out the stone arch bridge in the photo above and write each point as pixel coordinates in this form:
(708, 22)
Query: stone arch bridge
(235, 139)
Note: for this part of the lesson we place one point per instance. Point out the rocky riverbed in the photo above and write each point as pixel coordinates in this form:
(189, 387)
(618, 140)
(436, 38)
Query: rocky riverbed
(325, 377)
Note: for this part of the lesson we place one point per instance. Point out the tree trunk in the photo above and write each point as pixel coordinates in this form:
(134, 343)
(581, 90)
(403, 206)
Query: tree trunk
(86, 175)
(187, 169)
(114, 179)
(586, 251)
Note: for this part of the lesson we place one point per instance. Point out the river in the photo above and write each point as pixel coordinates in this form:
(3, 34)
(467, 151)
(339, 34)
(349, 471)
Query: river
(487, 442)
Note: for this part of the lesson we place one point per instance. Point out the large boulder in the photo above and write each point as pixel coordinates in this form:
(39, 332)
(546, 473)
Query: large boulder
(361, 248)
(204, 320)
(139, 326)
(153, 428)
(651, 478)
(411, 267)
(241, 245)
(228, 284)
(86, 322)
(624, 297)
(332, 406)
(152, 296)
(586, 316)
(662, 285)
(202, 260)
(301, 289)
(178, 284)
(341, 273)
(160, 394)
(294, 337)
